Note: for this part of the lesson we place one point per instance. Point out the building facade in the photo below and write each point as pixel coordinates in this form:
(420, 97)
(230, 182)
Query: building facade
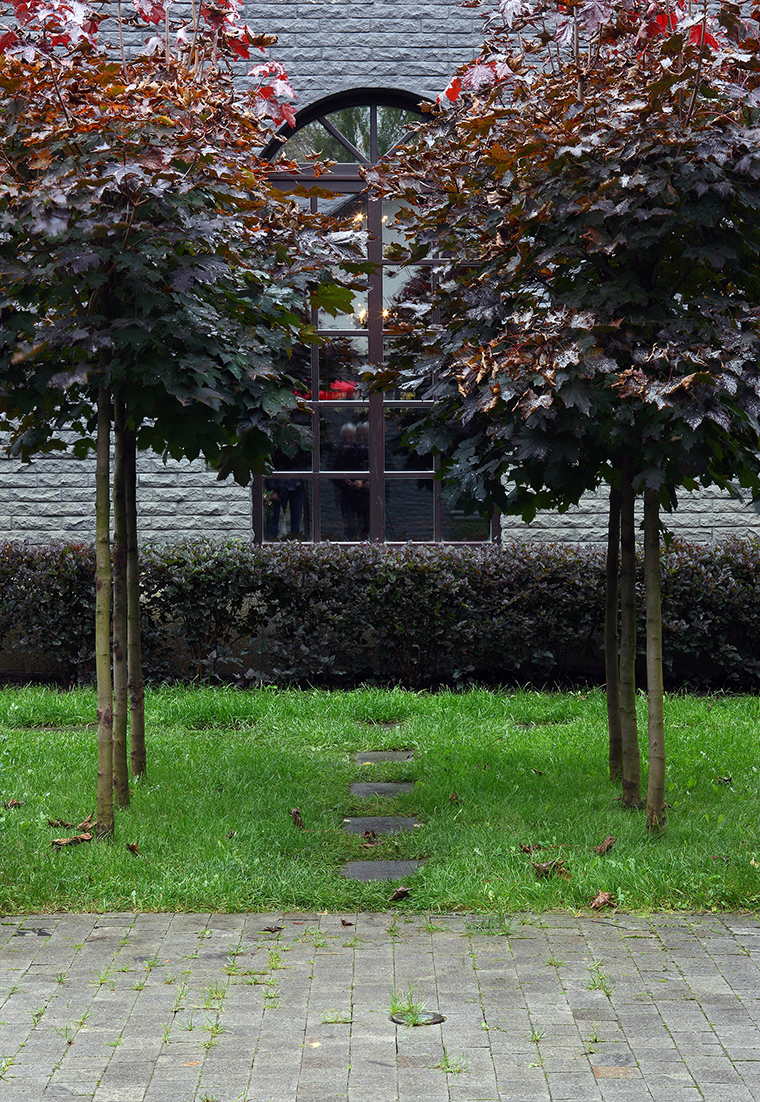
(360, 73)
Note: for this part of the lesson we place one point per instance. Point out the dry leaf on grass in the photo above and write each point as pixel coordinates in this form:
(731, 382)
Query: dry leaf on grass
(603, 899)
(454, 797)
(59, 824)
(86, 823)
(608, 843)
(13, 803)
(295, 814)
(530, 849)
(75, 840)
(400, 893)
(132, 847)
(545, 869)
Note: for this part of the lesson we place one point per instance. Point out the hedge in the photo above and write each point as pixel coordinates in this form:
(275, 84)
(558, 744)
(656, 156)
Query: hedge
(416, 616)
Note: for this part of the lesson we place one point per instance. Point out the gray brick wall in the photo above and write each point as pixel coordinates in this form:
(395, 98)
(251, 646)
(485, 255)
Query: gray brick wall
(53, 497)
(329, 46)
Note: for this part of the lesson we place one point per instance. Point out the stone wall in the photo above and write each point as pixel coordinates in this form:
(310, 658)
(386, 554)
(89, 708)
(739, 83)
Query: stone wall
(702, 517)
(53, 497)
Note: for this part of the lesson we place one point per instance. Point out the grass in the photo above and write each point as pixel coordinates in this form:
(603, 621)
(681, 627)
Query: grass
(212, 818)
(410, 1007)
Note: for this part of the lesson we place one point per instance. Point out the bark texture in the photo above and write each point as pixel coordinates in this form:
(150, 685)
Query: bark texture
(612, 638)
(655, 696)
(104, 825)
(120, 702)
(629, 729)
(135, 682)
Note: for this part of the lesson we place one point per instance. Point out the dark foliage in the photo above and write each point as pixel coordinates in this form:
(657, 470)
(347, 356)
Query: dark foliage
(418, 616)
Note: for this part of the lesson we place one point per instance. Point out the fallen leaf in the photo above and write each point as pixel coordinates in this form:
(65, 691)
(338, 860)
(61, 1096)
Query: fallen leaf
(369, 835)
(295, 814)
(345, 922)
(231, 834)
(75, 840)
(530, 849)
(725, 780)
(132, 847)
(545, 869)
(273, 929)
(192, 1064)
(86, 823)
(59, 824)
(603, 899)
(400, 893)
(537, 771)
(607, 844)
(13, 803)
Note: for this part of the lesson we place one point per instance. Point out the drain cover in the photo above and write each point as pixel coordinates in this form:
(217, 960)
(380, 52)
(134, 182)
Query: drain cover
(422, 1017)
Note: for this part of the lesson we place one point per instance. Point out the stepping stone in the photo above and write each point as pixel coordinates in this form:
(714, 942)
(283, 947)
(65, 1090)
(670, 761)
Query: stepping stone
(381, 788)
(369, 757)
(380, 870)
(381, 824)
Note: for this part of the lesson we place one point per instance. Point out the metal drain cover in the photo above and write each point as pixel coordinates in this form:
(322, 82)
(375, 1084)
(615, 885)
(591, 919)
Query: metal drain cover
(424, 1017)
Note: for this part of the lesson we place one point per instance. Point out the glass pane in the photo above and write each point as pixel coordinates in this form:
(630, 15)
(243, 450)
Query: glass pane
(393, 232)
(392, 127)
(406, 354)
(315, 138)
(343, 437)
(458, 524)
(287, 509)
(406, 295)
(344, 507)
(398, 455)
(408, 509)
(342, 361)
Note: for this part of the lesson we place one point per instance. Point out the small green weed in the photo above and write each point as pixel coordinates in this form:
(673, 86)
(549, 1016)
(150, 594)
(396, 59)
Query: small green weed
(452, 1067)
(336, 1017)
(598, 980)
(409, 1007)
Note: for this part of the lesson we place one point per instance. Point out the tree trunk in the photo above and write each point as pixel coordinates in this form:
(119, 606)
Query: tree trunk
(655, 710)
(104, 815)
(629, 729)
(120, 709)
(135, 682)
(612, 639)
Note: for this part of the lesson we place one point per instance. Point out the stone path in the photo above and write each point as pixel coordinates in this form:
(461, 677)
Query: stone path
(218, 1008)
(380, 868)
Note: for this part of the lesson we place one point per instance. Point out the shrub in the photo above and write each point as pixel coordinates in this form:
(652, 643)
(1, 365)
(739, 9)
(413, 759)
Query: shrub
(419, 615)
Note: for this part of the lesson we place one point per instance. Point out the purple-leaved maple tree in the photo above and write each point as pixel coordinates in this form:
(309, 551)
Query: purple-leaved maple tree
(591, 187)
(152, 276)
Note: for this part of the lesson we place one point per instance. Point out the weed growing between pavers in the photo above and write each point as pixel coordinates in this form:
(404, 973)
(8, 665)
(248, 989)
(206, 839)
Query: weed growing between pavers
(495, 772)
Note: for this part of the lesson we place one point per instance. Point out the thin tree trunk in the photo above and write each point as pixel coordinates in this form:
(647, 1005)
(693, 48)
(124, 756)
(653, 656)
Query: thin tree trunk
(135, 682)
(629, 729)
(104, 814)
(612, 639)
(120, 709)
(655, 710)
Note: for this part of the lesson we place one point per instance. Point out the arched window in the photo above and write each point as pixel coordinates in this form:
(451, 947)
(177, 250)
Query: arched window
(357, 481)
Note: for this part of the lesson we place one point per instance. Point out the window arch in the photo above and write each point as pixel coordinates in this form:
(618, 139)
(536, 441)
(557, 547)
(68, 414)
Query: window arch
(357, 481)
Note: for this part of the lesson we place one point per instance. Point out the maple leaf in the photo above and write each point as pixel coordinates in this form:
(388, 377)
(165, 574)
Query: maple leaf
(603, 899)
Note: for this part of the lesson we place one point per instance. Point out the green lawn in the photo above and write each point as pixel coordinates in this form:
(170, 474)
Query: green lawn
(495, 771)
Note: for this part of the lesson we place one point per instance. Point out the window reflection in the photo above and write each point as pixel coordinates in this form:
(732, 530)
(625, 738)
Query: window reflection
(287, 509)
(342, 362)
(406, 295)
(409, 509)
(343, 437)
(399, 456)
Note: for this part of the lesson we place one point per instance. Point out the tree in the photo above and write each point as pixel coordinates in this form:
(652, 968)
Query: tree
(590, 185)
(151, 274)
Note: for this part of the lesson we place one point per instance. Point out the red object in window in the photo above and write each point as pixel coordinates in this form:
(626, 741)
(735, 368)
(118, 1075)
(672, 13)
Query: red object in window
(339, 388)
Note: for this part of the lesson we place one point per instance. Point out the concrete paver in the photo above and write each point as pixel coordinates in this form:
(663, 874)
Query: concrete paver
(550, 1008)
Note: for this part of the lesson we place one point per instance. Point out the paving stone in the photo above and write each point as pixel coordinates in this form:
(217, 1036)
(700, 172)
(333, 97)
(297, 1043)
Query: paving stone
(381, 824)
(365, 789)
(380, 870)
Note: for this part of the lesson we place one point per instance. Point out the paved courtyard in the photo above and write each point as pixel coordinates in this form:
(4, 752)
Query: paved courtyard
(296, 1008)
